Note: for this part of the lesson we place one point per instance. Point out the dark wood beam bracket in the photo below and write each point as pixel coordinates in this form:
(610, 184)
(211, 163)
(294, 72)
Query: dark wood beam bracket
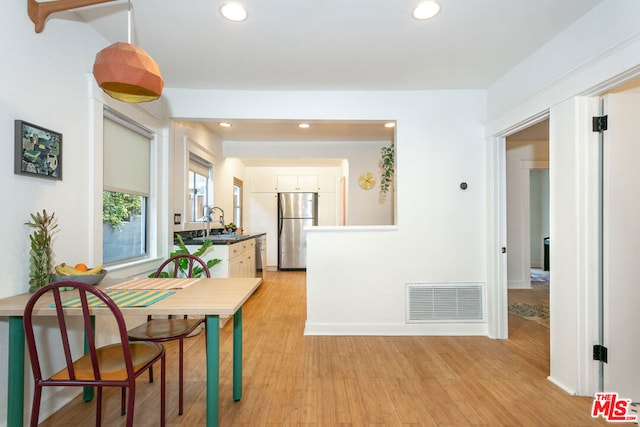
(40, 11)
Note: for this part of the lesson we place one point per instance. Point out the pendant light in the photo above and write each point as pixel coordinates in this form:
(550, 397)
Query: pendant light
(127, 73)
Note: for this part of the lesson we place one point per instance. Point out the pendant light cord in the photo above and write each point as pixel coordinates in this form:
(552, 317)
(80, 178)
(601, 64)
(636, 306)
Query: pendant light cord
(129, 26)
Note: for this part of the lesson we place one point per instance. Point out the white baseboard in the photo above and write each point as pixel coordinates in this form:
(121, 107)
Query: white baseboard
(519, 284)
(562, 386)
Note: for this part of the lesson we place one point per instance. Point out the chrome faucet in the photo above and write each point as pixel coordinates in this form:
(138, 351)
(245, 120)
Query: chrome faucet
(209, 218)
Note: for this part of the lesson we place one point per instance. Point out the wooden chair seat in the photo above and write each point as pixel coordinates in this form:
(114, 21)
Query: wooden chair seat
(111, 362)
(160, 330)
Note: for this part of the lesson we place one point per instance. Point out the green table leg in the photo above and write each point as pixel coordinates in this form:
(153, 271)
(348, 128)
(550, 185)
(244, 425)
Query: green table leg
(237, 355)
(87, 392)
(15, 397)
(213, 368)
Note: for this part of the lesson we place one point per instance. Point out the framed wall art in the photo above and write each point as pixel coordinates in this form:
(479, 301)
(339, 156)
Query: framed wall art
(38, 151)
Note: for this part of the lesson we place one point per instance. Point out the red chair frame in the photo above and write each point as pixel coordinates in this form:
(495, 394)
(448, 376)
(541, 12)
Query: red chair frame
(91, 370)
(163, 330)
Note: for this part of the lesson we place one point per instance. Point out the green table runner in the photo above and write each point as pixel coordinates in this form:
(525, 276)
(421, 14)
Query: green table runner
(122, 299)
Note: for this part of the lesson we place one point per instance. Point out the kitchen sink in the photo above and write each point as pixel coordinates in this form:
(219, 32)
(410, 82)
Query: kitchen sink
(223, 237)
(218, 237)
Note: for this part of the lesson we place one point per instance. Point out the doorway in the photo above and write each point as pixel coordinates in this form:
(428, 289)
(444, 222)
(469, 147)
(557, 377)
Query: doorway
(527, 189)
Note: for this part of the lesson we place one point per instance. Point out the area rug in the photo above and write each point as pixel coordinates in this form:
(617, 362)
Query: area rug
(539, 275)
(536, 312)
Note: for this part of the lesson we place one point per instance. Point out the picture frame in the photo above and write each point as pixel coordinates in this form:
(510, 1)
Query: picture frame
(38, 151)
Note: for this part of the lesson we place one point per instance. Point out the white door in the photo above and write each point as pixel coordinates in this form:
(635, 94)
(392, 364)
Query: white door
(621, 245)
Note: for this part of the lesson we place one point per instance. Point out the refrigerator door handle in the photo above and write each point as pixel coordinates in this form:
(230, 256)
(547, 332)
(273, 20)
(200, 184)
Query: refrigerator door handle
(279, 216)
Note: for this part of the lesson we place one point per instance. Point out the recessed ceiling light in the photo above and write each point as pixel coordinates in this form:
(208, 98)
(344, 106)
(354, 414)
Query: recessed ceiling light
(234, 11)
(426, 9)
(390, 125)
(224, 124)
(304, 125)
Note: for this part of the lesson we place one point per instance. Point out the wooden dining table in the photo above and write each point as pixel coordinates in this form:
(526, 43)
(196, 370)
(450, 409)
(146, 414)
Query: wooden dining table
(211, 298)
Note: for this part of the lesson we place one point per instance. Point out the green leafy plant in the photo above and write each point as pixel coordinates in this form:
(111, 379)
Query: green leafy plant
(41, 259)
(119, 207)
(387, 167)
(183, 264)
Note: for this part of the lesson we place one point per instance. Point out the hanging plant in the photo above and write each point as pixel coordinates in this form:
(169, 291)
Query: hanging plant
(41, 259)
(387, 164)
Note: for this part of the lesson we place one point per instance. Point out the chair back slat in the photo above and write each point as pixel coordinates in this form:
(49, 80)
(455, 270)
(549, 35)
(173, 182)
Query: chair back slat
(178, 260)
(89, 334)
(64, 335)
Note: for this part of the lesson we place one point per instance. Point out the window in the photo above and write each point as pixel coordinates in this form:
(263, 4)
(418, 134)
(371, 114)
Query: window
(237, 202)
(200, 187)
(126, 189)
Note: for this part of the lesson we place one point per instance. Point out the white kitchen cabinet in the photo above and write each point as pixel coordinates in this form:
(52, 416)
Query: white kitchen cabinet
(263, 183)
(242, 261)
(236, 260)
(293, 183)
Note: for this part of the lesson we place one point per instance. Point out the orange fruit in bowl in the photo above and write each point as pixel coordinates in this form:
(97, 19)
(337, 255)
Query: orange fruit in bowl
(81, 267)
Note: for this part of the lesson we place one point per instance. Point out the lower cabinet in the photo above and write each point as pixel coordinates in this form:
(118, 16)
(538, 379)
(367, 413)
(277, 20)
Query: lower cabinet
(236, 260)
(242, 259)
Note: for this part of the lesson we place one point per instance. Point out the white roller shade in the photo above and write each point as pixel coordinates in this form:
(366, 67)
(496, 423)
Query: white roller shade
(126, 160)
(199, 166)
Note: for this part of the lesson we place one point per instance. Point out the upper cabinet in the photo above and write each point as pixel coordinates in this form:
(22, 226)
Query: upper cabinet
(292, 183)
(272, 183)
(263, 183)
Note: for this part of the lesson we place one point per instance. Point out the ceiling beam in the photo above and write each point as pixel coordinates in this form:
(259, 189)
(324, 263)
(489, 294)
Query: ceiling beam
(40, 11)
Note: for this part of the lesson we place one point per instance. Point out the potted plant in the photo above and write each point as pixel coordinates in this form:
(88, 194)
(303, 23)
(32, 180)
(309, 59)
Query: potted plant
(387, 165)
(41, 259)
(183, 266)
(231, 228)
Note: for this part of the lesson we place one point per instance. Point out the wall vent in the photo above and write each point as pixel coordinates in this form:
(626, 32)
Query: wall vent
(449, 302)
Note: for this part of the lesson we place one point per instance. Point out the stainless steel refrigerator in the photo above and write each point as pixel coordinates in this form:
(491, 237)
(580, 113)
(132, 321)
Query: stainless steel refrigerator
(295, 211)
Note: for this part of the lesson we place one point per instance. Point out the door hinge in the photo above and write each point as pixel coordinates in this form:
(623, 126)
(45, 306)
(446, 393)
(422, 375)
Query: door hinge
(600, 353)
(599, 123)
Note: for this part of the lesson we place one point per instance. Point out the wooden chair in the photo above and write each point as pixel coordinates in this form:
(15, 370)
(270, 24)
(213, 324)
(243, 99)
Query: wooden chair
(162, 330)
(115, 365)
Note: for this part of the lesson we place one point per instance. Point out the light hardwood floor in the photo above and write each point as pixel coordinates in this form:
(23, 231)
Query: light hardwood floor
(296, 380)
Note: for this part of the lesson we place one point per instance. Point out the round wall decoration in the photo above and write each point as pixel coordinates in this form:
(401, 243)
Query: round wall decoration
(366, 181)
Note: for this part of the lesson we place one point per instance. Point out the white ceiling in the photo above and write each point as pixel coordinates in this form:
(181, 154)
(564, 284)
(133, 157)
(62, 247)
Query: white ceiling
(336, 44)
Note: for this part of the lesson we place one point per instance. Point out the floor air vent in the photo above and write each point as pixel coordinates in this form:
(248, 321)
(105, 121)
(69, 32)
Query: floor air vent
(451, 302)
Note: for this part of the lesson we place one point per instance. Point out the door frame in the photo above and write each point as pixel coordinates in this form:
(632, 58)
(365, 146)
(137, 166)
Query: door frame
(572, 370)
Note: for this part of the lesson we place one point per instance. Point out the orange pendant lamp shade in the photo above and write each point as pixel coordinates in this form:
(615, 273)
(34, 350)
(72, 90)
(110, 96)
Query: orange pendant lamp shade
(127, 73)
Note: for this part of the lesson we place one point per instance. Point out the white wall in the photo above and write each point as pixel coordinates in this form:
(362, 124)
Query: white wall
(356, 278)
(519, 159)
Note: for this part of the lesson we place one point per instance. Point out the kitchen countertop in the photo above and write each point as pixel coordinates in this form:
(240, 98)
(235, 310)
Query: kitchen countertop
(221, 239)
